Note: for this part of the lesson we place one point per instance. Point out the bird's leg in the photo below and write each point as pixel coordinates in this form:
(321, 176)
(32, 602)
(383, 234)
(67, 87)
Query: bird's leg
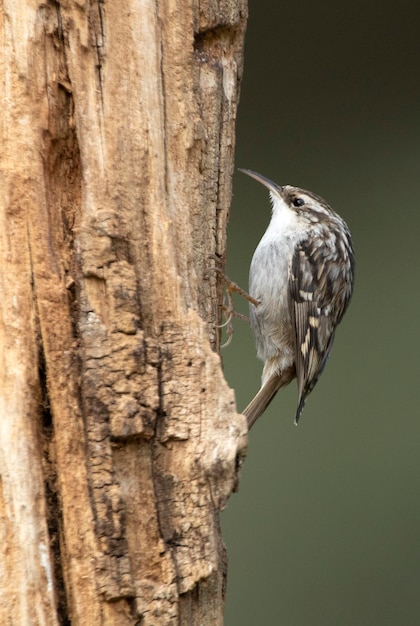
(227, 306)
(232, 287)
(229, 312)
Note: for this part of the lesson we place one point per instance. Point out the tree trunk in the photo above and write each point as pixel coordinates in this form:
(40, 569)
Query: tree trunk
(119, 438)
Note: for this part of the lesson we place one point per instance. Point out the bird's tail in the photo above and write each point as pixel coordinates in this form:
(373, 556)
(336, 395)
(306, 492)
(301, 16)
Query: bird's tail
(267, 392)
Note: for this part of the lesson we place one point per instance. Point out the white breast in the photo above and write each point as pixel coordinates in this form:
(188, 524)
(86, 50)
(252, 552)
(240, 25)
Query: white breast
(268, 279)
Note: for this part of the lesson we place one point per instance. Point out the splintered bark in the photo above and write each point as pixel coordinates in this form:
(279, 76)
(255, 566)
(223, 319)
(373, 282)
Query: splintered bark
(119, 438)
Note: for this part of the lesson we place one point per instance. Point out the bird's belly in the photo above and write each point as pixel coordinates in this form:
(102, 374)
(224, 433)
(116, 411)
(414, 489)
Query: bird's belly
(270, 320)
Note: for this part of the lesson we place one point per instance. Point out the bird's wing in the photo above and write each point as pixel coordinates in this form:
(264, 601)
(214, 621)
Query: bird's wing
(315, 311)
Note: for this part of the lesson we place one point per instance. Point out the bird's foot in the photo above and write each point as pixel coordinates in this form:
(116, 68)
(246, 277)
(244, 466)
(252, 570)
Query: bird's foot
(227, 306)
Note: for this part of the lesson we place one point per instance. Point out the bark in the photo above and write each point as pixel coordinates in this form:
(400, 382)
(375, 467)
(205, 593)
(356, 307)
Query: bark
(119, 438)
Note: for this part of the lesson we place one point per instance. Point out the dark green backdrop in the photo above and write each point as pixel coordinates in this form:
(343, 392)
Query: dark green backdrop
(325, 528)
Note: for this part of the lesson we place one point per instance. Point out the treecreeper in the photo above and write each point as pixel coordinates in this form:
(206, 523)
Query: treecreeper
(300, 283)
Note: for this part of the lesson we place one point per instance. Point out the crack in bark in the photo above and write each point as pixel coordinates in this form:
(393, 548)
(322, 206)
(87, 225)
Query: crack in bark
(52, 500)
(99, 45)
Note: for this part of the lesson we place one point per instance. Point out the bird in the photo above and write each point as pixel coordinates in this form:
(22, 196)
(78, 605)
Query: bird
(300, 284)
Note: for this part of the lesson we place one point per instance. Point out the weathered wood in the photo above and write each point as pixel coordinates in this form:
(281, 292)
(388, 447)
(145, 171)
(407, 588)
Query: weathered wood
(119, 438)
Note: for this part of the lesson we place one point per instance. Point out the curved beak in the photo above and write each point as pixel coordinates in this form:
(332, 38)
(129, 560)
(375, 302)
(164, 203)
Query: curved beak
(273, 187)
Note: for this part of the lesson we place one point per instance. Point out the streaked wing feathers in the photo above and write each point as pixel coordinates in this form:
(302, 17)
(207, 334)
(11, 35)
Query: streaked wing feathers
(315, 310)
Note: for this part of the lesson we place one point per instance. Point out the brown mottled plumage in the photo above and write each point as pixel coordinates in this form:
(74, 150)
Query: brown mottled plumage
(302, 276)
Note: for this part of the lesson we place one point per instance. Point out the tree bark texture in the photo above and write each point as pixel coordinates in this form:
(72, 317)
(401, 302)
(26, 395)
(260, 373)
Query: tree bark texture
(119, 438)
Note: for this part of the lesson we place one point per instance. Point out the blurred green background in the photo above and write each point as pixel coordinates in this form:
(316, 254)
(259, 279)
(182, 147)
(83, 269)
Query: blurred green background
(325, 530)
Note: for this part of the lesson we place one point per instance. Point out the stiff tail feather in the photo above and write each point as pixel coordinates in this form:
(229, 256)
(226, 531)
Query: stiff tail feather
(267, 392)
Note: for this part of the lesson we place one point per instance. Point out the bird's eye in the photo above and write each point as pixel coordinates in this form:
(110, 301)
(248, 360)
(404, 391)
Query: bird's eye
(298, 201)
